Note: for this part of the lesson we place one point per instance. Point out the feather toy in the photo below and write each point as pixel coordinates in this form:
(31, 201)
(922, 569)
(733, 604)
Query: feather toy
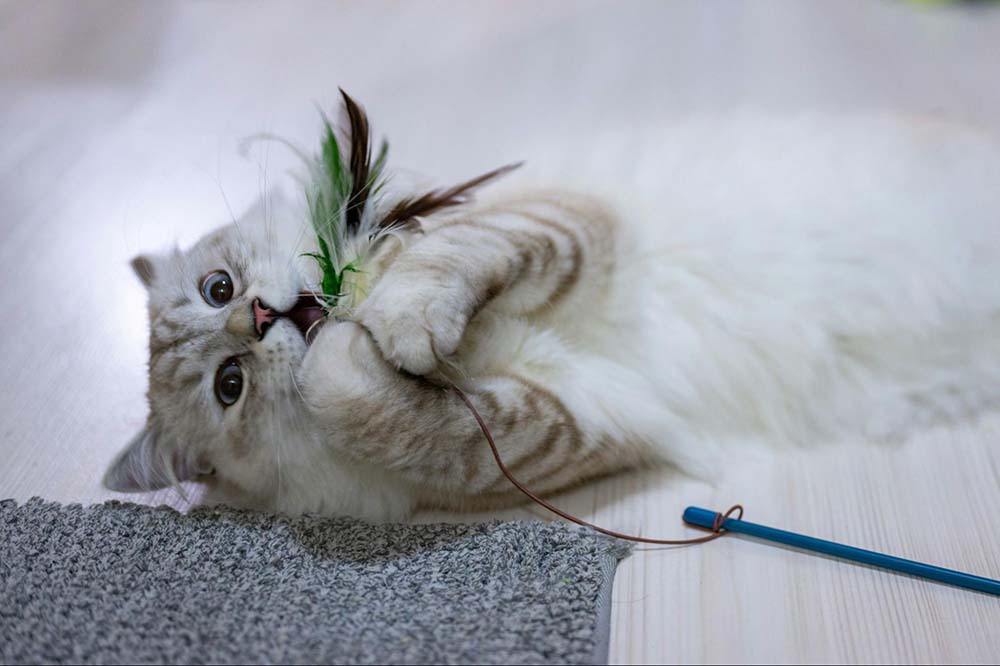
(349, 208)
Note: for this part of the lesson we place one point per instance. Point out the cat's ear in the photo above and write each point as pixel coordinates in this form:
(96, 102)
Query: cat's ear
(145, 269)
(145, 465)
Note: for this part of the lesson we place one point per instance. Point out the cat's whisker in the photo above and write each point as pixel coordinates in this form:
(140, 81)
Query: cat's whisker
(296, 422)
(265, 202)
(296, 247)
(276, 447)
(267, 137)
(311, 327)
(225, 199)
(298, 389)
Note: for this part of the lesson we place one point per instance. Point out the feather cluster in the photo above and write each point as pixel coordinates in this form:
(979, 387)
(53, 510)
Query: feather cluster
(348, 205)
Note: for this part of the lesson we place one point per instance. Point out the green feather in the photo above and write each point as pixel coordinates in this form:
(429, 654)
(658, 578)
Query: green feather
(327, 196)
(335, 199)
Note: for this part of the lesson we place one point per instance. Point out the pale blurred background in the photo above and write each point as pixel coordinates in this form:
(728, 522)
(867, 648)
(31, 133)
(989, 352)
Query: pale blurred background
(120, 128)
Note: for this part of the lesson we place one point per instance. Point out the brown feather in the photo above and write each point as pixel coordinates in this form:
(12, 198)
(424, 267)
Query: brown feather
(407, 209)
(360, 164)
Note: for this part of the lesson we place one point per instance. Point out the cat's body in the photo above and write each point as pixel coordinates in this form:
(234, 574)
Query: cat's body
(591, 340)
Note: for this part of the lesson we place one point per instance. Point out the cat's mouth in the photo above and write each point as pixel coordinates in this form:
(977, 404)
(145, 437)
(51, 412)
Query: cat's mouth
(306, 314)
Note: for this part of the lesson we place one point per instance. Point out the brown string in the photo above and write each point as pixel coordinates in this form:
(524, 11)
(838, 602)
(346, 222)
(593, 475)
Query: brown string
(717, 529)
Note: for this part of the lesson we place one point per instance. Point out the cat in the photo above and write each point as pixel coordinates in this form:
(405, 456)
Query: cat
(591, 339)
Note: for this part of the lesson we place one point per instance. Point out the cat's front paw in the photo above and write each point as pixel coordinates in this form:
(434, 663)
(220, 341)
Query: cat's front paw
(416, 323)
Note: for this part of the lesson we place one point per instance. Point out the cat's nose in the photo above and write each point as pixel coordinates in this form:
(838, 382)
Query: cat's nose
(241, 321)
(263, 317)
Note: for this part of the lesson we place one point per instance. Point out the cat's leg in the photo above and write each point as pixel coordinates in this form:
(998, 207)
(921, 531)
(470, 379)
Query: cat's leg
(425, 433)
(527, 257)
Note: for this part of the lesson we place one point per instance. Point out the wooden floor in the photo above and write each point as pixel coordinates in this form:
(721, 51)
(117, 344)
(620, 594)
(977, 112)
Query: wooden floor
(120, 126)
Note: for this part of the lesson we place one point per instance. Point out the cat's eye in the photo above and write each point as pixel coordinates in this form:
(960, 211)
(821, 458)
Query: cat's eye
(217, 288)
(228, 382)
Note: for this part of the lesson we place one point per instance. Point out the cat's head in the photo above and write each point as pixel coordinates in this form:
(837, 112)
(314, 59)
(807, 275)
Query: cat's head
(222, 369)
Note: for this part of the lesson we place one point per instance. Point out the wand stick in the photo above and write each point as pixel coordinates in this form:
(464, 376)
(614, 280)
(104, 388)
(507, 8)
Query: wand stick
(704, 518)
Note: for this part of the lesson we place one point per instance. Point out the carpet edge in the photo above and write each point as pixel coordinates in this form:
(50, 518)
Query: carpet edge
(609, 568)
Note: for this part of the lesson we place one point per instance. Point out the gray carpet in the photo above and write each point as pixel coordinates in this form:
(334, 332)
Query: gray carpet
(121, 583)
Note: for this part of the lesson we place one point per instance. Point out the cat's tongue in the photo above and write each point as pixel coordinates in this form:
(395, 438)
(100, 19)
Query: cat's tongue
(304, 314)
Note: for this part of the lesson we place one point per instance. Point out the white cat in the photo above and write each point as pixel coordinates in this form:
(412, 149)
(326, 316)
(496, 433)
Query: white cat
(816, 297)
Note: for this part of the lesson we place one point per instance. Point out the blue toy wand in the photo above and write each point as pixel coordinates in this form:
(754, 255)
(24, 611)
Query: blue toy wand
(704, 518)
(720, 524)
